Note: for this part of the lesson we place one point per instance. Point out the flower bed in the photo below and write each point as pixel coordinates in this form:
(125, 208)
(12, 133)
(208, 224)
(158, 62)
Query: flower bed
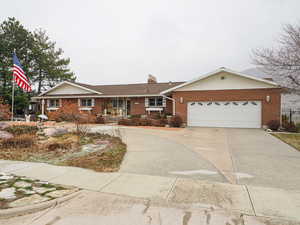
(100, 152)
(174, 121)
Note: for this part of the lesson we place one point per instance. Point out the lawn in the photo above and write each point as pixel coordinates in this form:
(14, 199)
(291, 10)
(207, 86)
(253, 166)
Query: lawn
(100, 152)
(291, 139)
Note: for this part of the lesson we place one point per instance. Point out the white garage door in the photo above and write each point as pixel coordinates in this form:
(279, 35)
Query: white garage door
(240, 114)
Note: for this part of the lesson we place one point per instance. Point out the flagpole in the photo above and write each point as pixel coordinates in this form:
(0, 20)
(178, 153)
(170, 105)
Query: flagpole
(13, 95)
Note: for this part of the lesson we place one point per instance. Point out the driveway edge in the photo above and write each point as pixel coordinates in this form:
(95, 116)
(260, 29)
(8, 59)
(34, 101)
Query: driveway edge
(19, 211)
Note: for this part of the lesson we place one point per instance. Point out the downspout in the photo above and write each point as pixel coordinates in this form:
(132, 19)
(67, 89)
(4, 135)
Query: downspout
(174, 103)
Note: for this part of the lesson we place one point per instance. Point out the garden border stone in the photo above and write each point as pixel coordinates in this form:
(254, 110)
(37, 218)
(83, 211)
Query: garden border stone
(18, 211)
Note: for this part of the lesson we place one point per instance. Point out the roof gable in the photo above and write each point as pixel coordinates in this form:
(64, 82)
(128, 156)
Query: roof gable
(67, 88)
(223, 79)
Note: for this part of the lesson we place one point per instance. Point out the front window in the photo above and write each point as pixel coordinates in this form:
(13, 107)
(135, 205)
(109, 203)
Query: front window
(117, 103)
(155, 102)
(54, 103)
(86, 102)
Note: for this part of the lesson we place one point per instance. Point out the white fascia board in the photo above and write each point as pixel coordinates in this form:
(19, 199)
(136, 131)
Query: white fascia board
(215, 72)
(70, 83)
(94, 96)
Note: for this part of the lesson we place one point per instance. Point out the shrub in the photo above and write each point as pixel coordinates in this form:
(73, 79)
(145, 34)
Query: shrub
(136, 116)
(290, 127)
(22, 129)
(5, 113)
(135, 121)
(158, 122)
(55, 146)
(155, 116)
(21, 141)
(145, 122)
(125, 122)
(298, 127)
(273, 124)
(176, 121)
(100, 119)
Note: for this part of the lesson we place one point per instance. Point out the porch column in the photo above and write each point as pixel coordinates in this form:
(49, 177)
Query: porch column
(43, 106)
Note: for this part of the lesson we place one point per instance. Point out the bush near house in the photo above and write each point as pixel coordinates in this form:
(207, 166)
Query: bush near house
(273, 124)
(176, 121)
(159, 121)
(289, 126)
(100, 119)
(70, 113)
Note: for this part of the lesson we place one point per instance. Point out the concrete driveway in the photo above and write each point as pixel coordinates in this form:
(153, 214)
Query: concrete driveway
(238, 156)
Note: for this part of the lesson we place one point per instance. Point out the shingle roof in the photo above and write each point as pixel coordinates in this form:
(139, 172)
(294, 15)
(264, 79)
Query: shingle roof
(131, 89)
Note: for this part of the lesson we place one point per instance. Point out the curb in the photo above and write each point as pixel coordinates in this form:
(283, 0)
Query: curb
(19, 211)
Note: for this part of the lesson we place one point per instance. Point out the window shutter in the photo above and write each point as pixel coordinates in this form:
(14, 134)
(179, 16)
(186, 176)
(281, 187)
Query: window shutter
(164, 102)
(79, 102)
(93, 102)
(146, 102)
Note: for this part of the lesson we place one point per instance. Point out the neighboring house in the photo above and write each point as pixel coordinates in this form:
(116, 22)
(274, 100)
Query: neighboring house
(222, 98)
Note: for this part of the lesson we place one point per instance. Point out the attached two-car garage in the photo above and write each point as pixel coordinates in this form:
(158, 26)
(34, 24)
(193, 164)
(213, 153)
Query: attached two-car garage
(225, 98)
(239, 114)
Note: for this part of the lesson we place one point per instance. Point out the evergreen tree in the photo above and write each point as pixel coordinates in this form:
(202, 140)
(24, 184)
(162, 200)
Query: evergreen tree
(41, 61)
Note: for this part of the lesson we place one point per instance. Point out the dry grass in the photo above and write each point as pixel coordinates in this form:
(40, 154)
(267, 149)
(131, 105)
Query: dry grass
(55, 150)
(291, 139)
(20, 141)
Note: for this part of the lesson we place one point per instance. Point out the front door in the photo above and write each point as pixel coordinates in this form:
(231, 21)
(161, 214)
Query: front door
(128, 107)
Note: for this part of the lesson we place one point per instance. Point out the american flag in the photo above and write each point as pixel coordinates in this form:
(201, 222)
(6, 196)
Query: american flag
(19, 76)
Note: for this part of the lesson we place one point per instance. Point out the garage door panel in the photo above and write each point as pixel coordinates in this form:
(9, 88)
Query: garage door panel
(225, 114)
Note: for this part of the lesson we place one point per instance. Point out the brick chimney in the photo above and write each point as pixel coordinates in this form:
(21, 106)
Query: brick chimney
(151, 79)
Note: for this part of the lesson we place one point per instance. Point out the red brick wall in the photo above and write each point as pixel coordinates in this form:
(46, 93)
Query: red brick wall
(169, 107)
(137, 106)
(270, 110)
(96, 110)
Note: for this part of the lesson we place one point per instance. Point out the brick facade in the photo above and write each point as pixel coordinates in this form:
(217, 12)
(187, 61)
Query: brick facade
(137, 105)
(270, 110)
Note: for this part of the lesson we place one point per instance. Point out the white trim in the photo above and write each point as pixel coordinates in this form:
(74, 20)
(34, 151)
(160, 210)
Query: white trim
(52, 108)
(218, 71)
(93, 96)
(155, 109)
(86, 109)
(70, 83)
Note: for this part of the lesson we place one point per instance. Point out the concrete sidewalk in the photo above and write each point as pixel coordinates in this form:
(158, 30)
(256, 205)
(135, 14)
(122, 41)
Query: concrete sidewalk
(250, 200)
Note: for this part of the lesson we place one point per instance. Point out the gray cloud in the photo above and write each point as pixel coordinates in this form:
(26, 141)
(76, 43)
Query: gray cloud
(123, 41)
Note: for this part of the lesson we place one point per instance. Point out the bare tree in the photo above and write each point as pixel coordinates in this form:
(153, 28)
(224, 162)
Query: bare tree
(282, 62)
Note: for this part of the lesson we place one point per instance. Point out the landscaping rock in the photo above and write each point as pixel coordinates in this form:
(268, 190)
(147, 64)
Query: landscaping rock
(26, 191)
(5, 177)
(3, 126)
(42, 190)
(60, 193)
(52, 132)
(8, 193)
(22, 184)
(33, 199)
(5, 135)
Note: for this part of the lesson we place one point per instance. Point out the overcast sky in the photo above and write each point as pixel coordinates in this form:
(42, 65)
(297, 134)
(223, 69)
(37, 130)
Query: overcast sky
(123, 41)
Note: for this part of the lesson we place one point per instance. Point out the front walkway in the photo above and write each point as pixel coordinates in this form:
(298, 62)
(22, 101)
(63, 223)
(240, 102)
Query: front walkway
(256, 201)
